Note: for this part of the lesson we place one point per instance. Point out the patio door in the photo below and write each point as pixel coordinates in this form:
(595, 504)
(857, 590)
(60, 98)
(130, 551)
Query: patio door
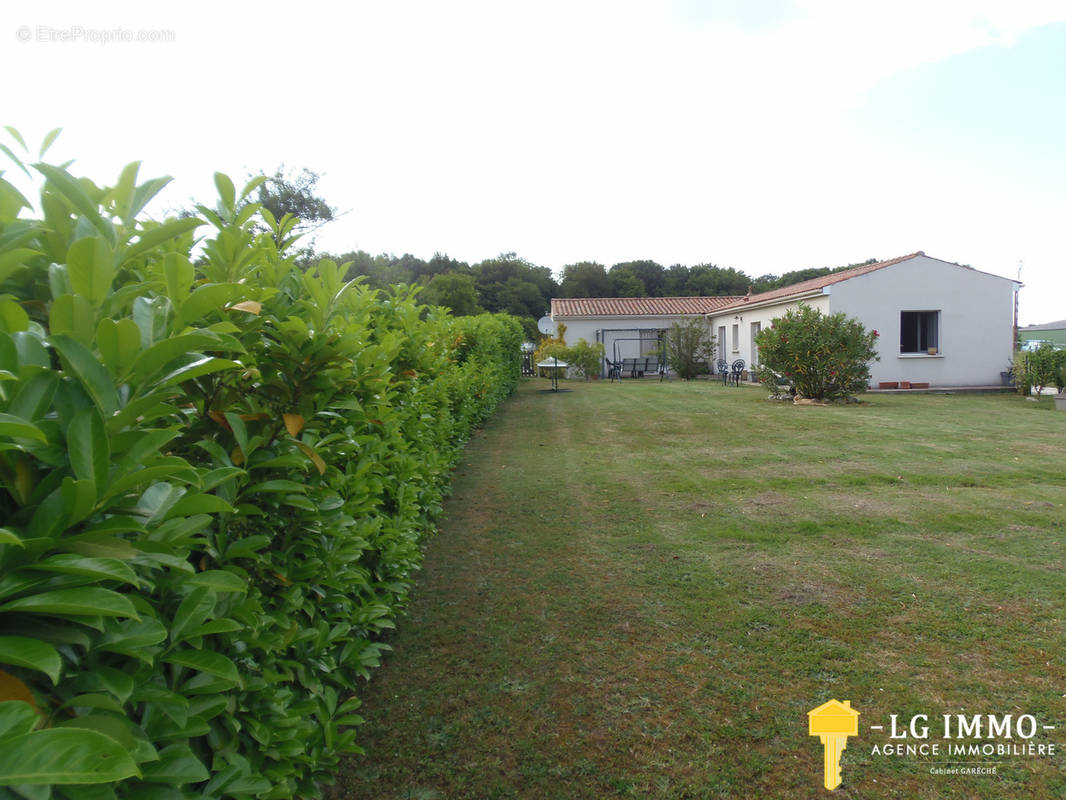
(755, 328)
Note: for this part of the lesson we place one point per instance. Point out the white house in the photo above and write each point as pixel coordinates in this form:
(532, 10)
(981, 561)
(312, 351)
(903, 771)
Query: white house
(629, 327)
(938, 322)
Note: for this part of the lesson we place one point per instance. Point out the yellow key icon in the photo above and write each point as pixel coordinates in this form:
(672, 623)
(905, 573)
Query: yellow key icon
(833, 723)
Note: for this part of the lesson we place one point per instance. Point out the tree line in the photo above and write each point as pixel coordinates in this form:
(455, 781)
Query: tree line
(511, 284)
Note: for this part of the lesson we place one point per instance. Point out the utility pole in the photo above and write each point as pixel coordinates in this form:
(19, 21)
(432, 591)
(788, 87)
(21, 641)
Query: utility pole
(1017, 288)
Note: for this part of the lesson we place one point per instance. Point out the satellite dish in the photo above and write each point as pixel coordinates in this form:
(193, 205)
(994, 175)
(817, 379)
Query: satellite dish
(546, 325)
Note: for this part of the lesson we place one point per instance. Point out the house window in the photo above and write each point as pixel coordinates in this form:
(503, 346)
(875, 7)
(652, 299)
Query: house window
(721, 341)
(755, 328)
(736, 338)
(919, 331)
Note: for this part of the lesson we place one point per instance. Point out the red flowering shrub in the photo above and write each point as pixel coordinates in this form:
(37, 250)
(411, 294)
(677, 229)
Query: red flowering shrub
(822, 357)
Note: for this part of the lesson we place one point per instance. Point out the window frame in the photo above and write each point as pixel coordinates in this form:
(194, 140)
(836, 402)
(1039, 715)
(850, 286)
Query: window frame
(921, 333)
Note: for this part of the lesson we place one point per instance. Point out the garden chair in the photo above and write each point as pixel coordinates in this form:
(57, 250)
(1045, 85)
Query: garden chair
(736, 371)
(614, 370)
(723, 369)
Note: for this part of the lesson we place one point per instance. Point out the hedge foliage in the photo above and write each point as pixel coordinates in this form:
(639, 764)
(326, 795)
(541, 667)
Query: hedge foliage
(216, 471)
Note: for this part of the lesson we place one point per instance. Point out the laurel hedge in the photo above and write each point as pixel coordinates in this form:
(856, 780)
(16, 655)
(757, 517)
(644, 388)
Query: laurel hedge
(216, 470)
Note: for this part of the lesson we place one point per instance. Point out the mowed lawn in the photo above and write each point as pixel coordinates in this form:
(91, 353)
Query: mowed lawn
(640, 589)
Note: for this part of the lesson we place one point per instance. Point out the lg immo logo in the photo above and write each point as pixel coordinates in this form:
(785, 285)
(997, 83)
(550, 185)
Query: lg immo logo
(833, 723)
(945, 744)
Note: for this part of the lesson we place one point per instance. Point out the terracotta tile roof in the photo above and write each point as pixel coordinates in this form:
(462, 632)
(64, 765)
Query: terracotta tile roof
(637, 306)
(822, 282)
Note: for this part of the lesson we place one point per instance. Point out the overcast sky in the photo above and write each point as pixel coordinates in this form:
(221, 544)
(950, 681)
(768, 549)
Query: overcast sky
(766, 135)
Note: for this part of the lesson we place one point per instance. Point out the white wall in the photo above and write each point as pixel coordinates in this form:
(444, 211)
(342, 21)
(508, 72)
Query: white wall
(607, 329)
(976, 320)
(744, 317)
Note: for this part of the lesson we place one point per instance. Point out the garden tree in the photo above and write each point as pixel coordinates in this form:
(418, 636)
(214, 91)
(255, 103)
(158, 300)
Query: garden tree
(675, 281)
(453, 291)
(626, 284)
(295, 193)
(689, 347)
(442, 264)
(585, 279)
(822, 357)
(707, 280)
(512, 285)
(650, 275)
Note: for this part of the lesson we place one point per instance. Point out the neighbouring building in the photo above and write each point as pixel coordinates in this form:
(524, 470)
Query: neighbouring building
(1053, 332)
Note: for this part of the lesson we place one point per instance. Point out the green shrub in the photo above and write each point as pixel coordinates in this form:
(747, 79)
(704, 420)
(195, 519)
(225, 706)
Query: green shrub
(586, 358)
(822, 357)
(689, 348)
(214, 481)
(1039, 368)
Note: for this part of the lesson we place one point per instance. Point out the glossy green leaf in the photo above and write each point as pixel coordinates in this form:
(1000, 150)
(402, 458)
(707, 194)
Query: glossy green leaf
(90, 373)
(73, 192)
(34, 395)
(193, 610)
(177, 765)
(72, 315)
(79, 497)
(119, 344)
(220, 580)
(100, 568)
(48, 141)
(83, 601)
(174, 468)
(150, 316)
(119, 683)
(224, 625)
(203, 366)
(13, 318)
(143, 194)
(99, 702)
(23, 651)
(199, 504)
(206, 661)
(8, 536)
(16, 718)
(163, 352)
(91, 268)
(205, 299)
(153, 237)
(118, 728)
(30, 350)
(131, 634)
(88, 447)
(18, 428)
(62, 756)
(226, 192)
(12, 260)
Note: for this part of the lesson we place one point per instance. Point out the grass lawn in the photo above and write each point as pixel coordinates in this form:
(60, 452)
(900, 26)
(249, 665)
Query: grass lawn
(640, 589)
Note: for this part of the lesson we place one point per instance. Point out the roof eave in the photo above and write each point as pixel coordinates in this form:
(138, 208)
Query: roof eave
(776, 301)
